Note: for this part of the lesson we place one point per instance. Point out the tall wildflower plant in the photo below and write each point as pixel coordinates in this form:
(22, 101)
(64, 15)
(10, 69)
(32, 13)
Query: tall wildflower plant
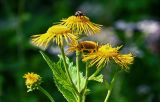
(67, 76)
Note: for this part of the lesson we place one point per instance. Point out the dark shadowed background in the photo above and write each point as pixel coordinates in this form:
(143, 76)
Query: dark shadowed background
(133, 23)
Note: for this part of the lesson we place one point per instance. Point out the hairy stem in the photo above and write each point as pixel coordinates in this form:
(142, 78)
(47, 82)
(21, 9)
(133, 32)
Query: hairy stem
(111, 87)
(86, 82)
(79, 98)
(96, 72)
(66, 69)
(78, 73)
(46, 93)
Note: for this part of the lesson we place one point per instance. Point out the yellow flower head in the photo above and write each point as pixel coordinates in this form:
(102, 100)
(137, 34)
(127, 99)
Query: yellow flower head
(102, 56)
(80, 23)
(32, 81)
(124, 60)
(55, 33)
(83, 46)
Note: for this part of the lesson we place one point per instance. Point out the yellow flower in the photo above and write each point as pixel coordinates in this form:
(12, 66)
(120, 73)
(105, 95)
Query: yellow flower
(55, 33)
(102, 56)
(80, 23)
(32, 81)
(124, 60)
(83, 46)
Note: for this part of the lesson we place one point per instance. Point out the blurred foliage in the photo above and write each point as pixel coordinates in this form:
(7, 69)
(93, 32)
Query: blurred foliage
(19, 19)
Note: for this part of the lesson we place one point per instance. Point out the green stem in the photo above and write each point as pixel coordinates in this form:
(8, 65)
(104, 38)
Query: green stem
(79, 98)
(108, 95)
(66, 69)
(78, 73)
(111, 87)
(86, 75)
(46, 93)
(95, 73)
(86, 82)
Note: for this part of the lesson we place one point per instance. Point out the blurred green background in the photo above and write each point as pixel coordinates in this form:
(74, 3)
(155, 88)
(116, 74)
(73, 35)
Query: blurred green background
(133, 23)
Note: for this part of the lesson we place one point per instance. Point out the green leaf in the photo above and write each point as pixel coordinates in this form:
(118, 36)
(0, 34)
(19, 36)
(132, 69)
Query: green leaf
(60, 79)
(73, 74)
(98, 78)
